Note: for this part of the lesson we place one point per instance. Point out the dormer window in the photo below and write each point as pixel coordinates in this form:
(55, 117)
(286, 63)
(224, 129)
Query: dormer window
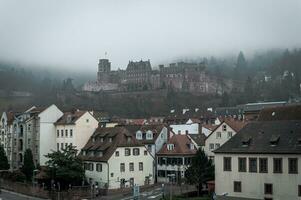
(246, 142)
(93, 139)
(110, 139)
(99, 154)
(139, 135)
(101, 139)
(69, 119)
(274, 140)
(299, 141)
(149, 135)
(128, 139)
(170, 147)
(190, 146)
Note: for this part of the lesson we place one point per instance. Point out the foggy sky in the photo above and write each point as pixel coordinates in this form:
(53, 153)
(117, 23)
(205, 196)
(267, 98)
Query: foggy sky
(75, 34)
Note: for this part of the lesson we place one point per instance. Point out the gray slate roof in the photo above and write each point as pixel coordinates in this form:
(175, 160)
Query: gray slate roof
(261, 134)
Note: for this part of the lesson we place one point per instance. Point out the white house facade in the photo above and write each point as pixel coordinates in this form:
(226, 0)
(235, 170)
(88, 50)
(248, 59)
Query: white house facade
(222, 133)
(74, 128)
(261, 162)
(114, 159)
(192, 126)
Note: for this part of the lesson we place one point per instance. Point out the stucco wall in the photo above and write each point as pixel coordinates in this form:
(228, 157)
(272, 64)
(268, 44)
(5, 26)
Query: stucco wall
(47, 131)
(285, 185)
(191, 128)
(212, 139)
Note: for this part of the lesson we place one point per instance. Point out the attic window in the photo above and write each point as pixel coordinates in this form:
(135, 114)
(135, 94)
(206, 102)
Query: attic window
(246, 142)
(299, 141)
(101, 139)
(170, 147)
(69, 119)
(274, 140)
(129, 139)
(149, 135)
(93, 139)
(110, 139)
(190, 146)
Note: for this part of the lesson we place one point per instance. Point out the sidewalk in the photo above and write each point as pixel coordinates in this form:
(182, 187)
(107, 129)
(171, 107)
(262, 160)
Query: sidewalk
(23, 196)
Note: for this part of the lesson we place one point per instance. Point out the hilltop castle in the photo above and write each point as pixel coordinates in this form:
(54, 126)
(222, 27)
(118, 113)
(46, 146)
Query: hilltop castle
(181, 76)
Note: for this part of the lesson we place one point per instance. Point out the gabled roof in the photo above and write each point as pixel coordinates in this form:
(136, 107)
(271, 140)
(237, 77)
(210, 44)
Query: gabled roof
(70, 117)
(236, 125)
(199, 139)
(119, 137)
(181, 146)
(292, 112)
(266, 137)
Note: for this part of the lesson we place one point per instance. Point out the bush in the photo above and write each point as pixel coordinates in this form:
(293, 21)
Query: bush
(16, 176)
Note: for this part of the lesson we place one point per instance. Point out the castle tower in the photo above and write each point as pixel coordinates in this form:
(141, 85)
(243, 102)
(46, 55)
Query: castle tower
(104, 65)
(104, 68)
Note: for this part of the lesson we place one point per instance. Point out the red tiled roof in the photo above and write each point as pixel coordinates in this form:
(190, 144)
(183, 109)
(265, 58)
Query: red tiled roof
(181, 146)
(74, 116)
(118, 136)
(236, 125)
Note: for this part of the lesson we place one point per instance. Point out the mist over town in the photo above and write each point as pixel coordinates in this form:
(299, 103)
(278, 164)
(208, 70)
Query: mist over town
(150, 100)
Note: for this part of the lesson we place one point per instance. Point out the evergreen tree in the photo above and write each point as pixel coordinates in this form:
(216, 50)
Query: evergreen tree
(241, 61)
(3, 159)
(200, 171)
(241, 65)
(64, 166)
(28, 165)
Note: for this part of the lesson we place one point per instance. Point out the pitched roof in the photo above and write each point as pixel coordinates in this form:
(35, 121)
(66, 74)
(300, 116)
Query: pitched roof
(209, 126)
(119, 137)
(292, 112)
(155, 128)
(236, 125)
(70, 117)
(199, 139)
(266, 137)
(181, 146)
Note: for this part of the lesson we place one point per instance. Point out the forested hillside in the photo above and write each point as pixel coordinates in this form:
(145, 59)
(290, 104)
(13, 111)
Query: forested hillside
(267, 76)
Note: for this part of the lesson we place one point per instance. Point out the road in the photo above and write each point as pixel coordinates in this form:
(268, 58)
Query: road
(6, 195)
(147, 195)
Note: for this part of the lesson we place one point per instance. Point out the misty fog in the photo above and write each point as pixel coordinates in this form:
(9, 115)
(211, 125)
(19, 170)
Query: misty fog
(74, 35)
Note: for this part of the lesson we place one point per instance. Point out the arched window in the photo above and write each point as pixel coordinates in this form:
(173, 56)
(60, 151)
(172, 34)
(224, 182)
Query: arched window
(21, 131)
(20, 157)
(149, 135)
(139, 135)
(20, 145)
